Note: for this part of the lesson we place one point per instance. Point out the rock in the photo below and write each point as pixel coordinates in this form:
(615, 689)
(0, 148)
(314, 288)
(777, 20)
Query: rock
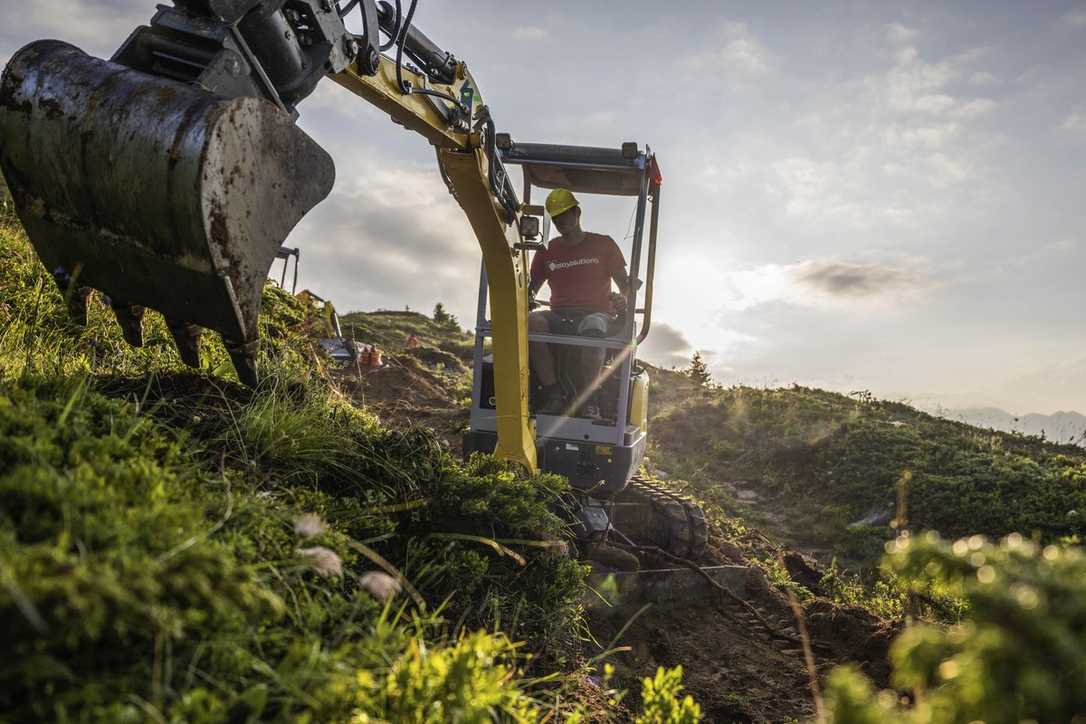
(747, 496)
(880, 515)
(804, 571)
(731, 551)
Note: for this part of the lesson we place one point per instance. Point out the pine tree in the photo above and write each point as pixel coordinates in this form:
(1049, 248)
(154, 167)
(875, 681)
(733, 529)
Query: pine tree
(699, 371)
(449, 321)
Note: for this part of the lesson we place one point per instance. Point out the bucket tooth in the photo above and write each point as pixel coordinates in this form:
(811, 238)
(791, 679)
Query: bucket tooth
(186, 336)
(243, 355)
(76, 301)
(75, 297)
(130, 319)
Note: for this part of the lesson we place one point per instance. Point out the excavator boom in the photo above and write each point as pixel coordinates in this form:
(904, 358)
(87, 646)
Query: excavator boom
(169, 176)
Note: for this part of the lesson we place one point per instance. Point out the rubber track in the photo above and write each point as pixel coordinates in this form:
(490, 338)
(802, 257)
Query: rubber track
(684, 521)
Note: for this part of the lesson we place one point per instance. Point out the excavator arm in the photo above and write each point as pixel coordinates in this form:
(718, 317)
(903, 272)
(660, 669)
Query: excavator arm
(476, 178)
(168, 176)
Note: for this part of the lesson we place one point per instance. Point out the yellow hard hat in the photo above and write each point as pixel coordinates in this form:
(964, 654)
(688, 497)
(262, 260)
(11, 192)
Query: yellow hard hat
(560, 201)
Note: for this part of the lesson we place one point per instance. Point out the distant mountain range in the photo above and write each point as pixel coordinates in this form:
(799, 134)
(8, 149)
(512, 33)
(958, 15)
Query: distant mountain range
(1059, 386)
(1058, 427)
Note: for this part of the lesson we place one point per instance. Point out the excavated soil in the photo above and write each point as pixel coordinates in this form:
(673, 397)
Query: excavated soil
(409, 390)
(743, 663)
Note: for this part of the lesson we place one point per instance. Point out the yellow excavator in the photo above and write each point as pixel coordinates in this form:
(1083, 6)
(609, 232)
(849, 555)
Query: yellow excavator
(168, 176)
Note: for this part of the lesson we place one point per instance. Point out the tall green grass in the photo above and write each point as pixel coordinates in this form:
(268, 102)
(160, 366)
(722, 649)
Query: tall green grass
(176, 547)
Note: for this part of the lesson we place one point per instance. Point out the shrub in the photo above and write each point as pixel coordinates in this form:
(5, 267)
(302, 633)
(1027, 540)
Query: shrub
(1020, 655)
(660, 699)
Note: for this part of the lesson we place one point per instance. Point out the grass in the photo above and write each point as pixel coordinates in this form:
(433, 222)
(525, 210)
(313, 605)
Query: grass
(391, 330)
(828, 460)
(1017, 657)
(176, 547)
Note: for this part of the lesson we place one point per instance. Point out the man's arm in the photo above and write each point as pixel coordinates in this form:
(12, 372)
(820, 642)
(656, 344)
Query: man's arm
(537, 274)
(617, 267)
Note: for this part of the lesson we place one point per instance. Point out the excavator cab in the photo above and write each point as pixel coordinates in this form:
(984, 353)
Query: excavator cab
(599, 454)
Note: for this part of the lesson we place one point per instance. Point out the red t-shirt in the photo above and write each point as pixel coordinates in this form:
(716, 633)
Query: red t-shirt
(579, 275)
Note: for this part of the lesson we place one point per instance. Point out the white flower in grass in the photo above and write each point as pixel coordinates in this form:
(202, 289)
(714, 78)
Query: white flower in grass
(308, 525)
(379, 585)
(324, 561)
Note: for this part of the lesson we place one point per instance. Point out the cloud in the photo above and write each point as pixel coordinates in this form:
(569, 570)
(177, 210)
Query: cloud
(891, 140)
(897, 33)
(666, 346)
(914, 85)
(1075, 122)
(936, 135)
(1064, 246)
(821, 283)
(97, 26)
(841, 279)
(824, 190)
(530, 32)
(944, 171)
(739, 58)
(973, 108)
(394, 235)
(1075, 18)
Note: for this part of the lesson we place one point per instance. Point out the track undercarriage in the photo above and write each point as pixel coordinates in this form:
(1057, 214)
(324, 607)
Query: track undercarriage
(655, 549)
(648, 515)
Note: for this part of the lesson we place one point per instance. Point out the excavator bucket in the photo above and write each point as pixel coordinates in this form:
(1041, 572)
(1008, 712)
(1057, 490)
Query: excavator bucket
(155, 192)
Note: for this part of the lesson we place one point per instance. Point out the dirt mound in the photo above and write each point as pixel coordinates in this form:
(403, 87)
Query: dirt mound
(409, 392)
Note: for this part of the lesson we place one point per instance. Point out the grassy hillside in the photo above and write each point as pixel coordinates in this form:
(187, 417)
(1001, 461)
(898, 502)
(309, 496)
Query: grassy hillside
(174, 546)
(837, 475)
(441, 343)
(177, 547)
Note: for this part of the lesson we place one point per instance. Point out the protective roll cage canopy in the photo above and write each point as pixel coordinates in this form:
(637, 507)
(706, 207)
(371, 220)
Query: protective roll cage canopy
(625, 171)
(582, 169)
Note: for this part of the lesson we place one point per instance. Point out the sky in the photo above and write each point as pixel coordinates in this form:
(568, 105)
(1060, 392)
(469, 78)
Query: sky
(857, 195)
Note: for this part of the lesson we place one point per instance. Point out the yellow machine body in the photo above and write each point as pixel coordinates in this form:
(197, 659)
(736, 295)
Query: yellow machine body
(464, 168)
(639, 400)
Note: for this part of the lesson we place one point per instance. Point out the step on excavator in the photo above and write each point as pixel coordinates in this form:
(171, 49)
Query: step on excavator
(168, 176)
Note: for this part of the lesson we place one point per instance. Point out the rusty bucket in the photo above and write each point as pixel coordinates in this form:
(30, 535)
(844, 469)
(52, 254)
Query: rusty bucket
(153, 191)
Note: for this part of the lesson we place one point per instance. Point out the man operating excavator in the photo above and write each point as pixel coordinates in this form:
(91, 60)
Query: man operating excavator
(579, 266)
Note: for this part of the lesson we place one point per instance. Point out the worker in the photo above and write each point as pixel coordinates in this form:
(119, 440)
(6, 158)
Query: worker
(579, 266)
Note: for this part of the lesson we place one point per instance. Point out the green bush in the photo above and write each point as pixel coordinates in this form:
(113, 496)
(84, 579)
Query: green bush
(660, 699)
(1019, 656)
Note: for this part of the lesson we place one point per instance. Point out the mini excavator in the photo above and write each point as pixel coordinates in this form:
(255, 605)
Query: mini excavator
(168, 177)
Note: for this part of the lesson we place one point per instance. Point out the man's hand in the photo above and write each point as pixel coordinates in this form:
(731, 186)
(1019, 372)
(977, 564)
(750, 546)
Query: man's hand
(618, 301)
